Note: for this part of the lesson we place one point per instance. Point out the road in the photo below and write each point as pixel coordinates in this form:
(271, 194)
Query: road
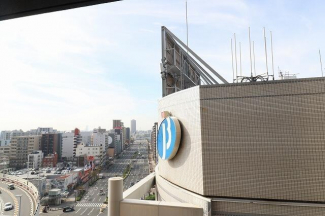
(27, 205)
(92, 200)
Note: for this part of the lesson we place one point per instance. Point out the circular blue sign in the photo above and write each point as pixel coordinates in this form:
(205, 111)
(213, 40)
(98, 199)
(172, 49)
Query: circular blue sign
(168, 138)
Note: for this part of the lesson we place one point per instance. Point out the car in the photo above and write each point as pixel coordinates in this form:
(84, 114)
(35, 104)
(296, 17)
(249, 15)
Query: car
(11, 186)
(68, 209)
(8, 206)
(32, 173)
(57, 172)
(48, 171)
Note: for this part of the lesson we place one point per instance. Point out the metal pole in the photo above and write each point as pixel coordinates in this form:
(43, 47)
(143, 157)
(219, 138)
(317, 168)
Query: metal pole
(254, 58)
(186, 28)
(235, 54)
(232, 63)
(250, 49)
(321, 64)
(272, 53)
(240, 58)
(267, 68)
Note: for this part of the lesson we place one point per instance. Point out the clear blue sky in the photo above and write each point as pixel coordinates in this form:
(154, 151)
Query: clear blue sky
(87, 66)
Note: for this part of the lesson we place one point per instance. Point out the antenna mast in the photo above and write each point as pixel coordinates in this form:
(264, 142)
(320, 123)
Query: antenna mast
(186, 27)
(254, 59)
(232, 62)
(267, 68)
(235, 55)
(250, 49)
(240, 59)
(321, 64)
(272, 54)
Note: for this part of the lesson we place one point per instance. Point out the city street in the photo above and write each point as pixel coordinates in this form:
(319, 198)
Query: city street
(92, 200)
(10, 196)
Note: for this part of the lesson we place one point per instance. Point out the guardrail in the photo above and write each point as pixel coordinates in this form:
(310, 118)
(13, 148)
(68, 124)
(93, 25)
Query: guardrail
(25, 184)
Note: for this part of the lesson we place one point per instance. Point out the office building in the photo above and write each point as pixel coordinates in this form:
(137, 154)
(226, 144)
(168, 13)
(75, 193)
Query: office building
(117, 124)
(67, 145)
(35, 160)
(50, 160)
(248, 148)
(153, 142)
(52, 143)
(20, 148)
(127, 135)
(133, 126)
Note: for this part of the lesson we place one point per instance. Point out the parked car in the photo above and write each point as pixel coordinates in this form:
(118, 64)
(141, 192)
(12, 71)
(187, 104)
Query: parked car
(48, 171)
(68, 209)
(32, 173)
(8, 206)
(58, 172)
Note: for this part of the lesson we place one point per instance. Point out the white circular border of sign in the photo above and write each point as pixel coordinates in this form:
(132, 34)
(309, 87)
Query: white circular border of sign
(178, 137)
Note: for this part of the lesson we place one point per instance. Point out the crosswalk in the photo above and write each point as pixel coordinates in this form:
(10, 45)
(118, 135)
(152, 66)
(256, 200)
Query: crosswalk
(87, 205)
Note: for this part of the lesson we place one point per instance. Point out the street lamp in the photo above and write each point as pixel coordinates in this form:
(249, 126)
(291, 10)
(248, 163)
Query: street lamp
(19, 202)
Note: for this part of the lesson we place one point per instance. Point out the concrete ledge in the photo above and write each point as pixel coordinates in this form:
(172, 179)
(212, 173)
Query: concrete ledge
(156, 208)
(139, 189)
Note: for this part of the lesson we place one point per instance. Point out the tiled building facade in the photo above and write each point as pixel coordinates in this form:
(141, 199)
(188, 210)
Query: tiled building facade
(251, 142)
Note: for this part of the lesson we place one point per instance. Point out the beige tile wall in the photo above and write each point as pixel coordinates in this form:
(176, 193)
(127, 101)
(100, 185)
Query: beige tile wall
(185, 169)
(264, 140)
(254, 209)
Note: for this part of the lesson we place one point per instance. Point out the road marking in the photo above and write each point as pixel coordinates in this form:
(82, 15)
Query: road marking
(84, 211)
(1, 208)
(16, 205)
(91, 205)
(78, 210)
(91, 211)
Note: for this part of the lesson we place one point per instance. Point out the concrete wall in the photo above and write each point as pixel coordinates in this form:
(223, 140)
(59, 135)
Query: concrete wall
(267, 208)
(186, 168)
(156, 208)
(141, 188)
(261, 140)
(172, 193)
(264, 140)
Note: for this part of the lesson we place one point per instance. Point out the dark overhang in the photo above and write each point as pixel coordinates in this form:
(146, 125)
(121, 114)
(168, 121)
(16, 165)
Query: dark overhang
(10, 9)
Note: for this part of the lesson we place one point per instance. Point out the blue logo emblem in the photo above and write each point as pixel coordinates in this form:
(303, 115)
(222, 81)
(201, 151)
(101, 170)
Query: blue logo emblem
(169, 136)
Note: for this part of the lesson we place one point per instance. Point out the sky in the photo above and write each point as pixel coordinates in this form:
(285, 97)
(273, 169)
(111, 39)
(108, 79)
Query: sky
(85, 67)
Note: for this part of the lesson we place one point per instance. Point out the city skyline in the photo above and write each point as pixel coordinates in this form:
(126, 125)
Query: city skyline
(87, 70)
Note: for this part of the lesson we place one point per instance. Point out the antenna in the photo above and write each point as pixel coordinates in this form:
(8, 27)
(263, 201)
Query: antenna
(272, 54)
(235, 55)
(321, 64)
(186, 27)
(240, 58)
(254, 59)
(250, 49)
(232, 62)
(267, 68)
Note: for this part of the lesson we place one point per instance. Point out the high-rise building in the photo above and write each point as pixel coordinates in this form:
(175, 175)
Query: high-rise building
(133, 126)
(118, 141)
(77, 139)
(153, 141)
(117, 124)
(127, 135)
(67, 145)
(52, 143)
(245, 148)
(5, 135)
(20, 147)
